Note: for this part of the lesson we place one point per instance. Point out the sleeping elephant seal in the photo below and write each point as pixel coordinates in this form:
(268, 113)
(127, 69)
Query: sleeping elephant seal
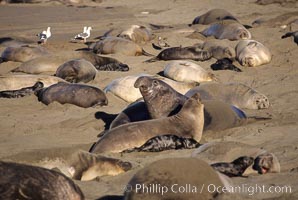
(21, 92)
(187, 123)
(174, 178)
(117, 45)
(78, 94)
(137, 34)
(228, 29)
(23, 53)
(19, 181)
(212, 16)
(78, 70)
(251, 53)
(182, 53)
(236, 94)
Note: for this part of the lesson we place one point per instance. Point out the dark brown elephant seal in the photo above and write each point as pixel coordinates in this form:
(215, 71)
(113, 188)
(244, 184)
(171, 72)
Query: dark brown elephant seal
(214, 15)
(78, 94)
(23, 53)
(236, 94)
(19, 181)
(266, 163)
(78, 70)
(289, 34)
(187, 123)
(228, 29)
(22, 92)
(174, 178)
(182, 53)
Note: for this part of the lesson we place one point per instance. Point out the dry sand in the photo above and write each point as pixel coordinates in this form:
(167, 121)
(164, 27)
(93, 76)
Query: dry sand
(31, 131)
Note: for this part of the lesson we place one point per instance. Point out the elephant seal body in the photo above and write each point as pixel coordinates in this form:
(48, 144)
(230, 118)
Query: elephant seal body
(78, 70)
(117, 45)
(289, 34)
(21, 92)
(165, 142)
(137, 34)
(251, 53)
(19, 181)
(17, 82)
(187, 123)
(214, 15)
(23, 53)
(186, 71)
(167, 175)
(237, 94)
(182, 53)
(85, 166)
(228, 29)
(235, 168)
(80, 95)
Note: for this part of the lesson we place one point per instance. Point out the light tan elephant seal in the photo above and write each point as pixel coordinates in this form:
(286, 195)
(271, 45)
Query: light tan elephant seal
(251, 53)
(137, 34)
(174, 178)
(188, 123)
(78, 70)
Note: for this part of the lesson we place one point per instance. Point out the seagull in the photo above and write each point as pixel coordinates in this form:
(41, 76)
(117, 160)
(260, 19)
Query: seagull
(84, 35)
(44, 35)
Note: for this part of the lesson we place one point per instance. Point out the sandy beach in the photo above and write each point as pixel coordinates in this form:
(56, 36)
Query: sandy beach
(34, 133)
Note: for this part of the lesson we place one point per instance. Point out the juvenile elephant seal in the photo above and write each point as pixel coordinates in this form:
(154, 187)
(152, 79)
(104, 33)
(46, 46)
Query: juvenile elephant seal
(21, 92)
(124, 87)
(78, 94)
(182, 53)
(17, 82)
(214, 15)
(19, 181)
(289, 34)
(235, 168)
(186, 71)
(265, 163)
(85, 166)
(187, 123)
(46, 64)
(117, 45)
(137, 34)
(165, 142)
(251, 53)
(182, 173)
(236, 94)
(228, 29)
(23, 53)
(225, 64)
(78, 70)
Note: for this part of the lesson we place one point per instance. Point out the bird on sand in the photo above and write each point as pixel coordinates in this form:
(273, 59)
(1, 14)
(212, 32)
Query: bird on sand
(44, 36)
(84, 35)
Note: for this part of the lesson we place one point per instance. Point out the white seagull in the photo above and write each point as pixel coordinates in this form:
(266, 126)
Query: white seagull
(84, 35)
(44, 35)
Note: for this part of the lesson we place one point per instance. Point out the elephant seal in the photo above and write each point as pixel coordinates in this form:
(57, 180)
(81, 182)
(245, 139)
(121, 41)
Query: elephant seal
(225, 64)
(165, 142)
(186, 71)
(117, 45)
(15, 41)
(235, 168)
(20, 181)
(17, 82)
(182, 53)
(251, 53)
(124, 87)
(289, 34)
(137, 34)
(188, 123)
(218, 48)
(212, 16)
(236, 94)
(182, 180)
(21, 92)
(85, 166)
(228, 29)
(78, 70)
(266, 162)
(77, 94)
(23, 53)
(46, 64)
